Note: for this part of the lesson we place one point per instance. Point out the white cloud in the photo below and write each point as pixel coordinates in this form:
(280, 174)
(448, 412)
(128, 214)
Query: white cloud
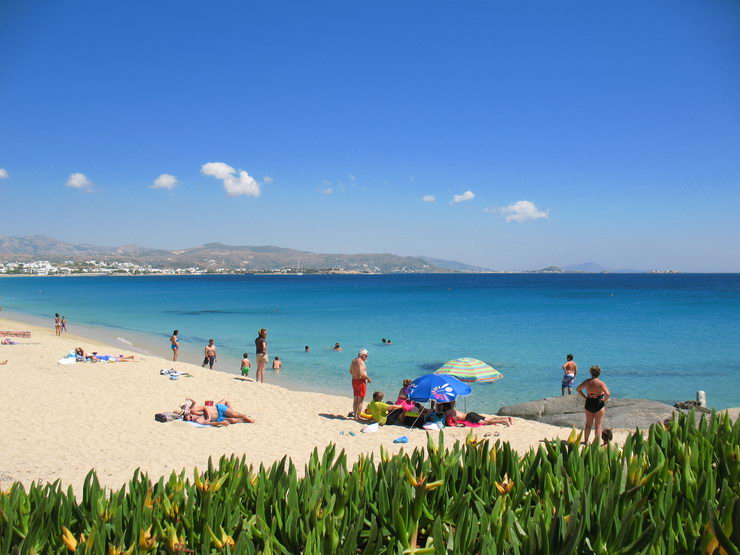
(327, 191)
(4, 173)
(164, 181)
(79, 181)
(520, 211)
(428, 198)
(467, 195)
(235, 183)
(267, 179)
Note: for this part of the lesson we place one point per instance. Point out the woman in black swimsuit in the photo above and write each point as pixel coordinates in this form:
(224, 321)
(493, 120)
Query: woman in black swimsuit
(596, 396)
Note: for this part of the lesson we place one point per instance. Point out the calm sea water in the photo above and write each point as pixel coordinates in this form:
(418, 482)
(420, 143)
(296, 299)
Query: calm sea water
(661, 337)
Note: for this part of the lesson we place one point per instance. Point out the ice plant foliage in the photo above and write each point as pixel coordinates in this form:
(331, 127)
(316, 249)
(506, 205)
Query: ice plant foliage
(672, 491)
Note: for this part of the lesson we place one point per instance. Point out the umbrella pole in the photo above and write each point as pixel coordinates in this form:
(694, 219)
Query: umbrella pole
(417, 418)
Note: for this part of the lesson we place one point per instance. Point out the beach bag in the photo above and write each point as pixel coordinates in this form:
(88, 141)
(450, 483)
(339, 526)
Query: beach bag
(166, 416)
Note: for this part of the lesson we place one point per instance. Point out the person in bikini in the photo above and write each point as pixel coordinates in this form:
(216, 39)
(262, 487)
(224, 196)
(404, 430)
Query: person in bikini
(360, 379)
(570, 369)
(455, 417)
(222, 414)
(597, 394)
(260, 344)
(175, 344)
(209, 355)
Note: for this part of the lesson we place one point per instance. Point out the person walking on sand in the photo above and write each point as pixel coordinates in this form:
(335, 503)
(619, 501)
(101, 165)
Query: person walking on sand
(63, 323)
(246, 365)
(175, 344)
(261, 348)
(570, 369)
(360, 379)
(597, 394)
(210, 355)
(57, 324)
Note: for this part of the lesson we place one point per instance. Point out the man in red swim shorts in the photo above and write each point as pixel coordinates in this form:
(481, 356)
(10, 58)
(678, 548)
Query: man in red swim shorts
(360, 379)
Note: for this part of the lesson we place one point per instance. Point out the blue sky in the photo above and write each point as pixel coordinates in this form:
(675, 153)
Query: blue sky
(585, 131)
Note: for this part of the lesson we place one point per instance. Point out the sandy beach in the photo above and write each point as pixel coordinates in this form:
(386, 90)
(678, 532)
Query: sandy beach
(60, 421)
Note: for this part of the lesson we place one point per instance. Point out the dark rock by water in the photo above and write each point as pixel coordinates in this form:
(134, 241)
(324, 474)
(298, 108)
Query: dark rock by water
(568, 411)
(689, 405)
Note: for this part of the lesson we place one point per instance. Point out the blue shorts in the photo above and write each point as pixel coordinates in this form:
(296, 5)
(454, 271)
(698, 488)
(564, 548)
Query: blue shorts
(221, 412)
(568, 380)
(173, 346)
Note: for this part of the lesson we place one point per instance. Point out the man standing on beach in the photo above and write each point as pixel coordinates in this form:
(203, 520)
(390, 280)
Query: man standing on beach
(360, 379)
(210, 355)
(261, 348)
(569, 375)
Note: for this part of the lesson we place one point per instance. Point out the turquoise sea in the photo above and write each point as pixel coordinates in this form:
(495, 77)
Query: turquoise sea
(661, 337)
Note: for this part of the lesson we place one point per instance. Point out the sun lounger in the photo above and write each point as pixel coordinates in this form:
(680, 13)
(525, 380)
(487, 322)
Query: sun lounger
(10, 333)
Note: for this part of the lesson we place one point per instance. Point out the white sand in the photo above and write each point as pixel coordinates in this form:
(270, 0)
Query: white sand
(59, 421)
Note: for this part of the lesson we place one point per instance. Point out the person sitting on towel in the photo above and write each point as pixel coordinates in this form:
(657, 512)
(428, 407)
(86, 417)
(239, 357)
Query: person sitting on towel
(383, 413)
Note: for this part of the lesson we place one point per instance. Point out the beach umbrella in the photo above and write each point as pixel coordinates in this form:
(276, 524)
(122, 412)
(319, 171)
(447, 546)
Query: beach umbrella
(438, 387)
(470, 370)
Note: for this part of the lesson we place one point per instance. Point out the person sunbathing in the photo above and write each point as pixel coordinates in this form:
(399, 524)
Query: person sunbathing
(105, 358)
(455, 417)
(222, 414)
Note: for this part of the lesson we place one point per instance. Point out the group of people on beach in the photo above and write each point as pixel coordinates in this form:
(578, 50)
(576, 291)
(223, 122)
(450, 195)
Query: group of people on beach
(405, 411)
(60, 324)
(593, 390)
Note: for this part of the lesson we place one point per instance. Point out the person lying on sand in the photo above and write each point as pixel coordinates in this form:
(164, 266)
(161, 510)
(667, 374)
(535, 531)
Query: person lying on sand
(222, 414)
(457, 418)
(3, 362)
(106, 358)
(8, 341)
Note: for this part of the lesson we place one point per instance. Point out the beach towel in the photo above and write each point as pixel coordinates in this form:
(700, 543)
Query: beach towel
(11, 333)
(67, 360)
(452, 421)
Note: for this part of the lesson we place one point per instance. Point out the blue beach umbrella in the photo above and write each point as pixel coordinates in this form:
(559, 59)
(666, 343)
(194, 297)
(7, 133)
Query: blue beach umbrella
(441, 388)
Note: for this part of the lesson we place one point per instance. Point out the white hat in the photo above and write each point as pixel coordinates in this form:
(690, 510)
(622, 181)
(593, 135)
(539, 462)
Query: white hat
(362, 352)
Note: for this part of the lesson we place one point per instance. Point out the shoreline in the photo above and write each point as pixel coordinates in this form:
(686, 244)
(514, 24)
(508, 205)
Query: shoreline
(101, 416)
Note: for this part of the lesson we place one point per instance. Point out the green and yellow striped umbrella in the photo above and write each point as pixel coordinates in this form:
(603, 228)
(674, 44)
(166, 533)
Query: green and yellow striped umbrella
(470, 370)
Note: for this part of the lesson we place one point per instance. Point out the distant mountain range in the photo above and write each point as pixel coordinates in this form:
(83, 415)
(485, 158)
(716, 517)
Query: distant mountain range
(246, 258)
(216, 255)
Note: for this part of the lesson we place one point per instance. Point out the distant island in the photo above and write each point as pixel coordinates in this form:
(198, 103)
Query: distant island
(45, 256)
